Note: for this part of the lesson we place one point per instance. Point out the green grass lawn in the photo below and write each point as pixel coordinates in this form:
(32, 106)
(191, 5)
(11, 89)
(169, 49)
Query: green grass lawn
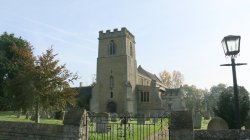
(11, 116)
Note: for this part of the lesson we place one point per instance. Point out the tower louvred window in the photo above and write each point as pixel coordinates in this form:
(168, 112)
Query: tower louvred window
(111, 47)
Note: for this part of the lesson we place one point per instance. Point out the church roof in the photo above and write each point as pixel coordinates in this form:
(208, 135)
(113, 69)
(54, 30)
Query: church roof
(148, 74)
(83, 91)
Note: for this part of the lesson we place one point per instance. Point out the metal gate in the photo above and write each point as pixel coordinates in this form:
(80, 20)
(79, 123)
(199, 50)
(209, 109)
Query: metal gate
(108, 127)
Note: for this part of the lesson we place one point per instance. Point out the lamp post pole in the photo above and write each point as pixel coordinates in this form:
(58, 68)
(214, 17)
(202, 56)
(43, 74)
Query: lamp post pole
(236, 92)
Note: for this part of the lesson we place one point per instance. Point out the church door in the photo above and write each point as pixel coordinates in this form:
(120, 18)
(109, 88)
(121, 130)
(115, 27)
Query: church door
(111, 107)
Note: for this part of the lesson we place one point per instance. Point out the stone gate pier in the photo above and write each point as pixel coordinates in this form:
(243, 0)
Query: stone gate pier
(181, 125)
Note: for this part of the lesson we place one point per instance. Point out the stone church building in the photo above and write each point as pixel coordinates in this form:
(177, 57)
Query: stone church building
(122, 86)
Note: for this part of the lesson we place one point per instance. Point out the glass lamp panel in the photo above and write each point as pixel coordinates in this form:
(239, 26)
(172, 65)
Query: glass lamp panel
(224, 45)
(237, 42)
(232, 45)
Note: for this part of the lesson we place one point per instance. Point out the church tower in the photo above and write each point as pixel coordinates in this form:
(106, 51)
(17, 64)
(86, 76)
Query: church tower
(116, 72)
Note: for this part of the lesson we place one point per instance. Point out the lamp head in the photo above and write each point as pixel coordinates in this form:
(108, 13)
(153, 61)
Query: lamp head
(231, 45)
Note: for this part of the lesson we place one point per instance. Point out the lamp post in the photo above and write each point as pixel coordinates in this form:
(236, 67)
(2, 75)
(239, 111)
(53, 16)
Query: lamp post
(231, 47)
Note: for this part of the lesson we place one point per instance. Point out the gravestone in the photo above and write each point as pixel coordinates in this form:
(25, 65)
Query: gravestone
(44, 115)
(140, 119)
(33, 116)
(217, 123)
(92, 116)
(197, 117)
(19, 113)
(181, 125)
(59, 115)
(147, 117)
(155, 118)
(113, 117)
(27, 115)
(102, 120)
(125, 117)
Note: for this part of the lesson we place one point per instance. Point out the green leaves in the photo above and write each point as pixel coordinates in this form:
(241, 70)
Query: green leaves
(52, 82)
(194, 97)
(22, 84)
(15, 53)
(226, 108)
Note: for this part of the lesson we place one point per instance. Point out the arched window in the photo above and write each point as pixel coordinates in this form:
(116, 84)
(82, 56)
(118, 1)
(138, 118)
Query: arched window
(111, 82)
(131, 49)
(111, 47)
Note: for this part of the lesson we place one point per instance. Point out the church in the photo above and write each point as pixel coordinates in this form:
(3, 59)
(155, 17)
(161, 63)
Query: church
(122, 86)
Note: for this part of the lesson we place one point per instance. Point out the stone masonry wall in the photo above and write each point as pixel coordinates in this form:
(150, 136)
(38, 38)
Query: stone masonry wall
(32, 131)
(74, 128)
(222, 134)
(28, 131)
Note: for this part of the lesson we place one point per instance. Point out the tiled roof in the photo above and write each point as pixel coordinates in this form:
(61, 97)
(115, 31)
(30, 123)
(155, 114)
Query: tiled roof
(148, 74)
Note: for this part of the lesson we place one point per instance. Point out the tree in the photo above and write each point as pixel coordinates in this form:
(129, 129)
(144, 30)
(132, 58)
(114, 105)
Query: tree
(22, 84)
(166, 78)
(53, 83)
(194, 97)
(15, 53)
(177, 79)
(172, 80)
(21, 89)
(83, 100)
(226, 107)
(211, 99)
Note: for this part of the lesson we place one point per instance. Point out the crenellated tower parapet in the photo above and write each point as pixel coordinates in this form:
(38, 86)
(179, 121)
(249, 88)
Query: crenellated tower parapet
(116, 33)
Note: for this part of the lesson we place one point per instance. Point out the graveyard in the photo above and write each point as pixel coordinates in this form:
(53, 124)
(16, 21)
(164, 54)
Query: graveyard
(124, 70)
(105, 126)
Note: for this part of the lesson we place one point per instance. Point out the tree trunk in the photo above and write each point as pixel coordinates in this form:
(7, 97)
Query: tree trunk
(37, 117)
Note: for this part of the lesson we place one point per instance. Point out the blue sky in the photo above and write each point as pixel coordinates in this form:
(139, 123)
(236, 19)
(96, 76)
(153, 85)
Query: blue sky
(183, 35)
